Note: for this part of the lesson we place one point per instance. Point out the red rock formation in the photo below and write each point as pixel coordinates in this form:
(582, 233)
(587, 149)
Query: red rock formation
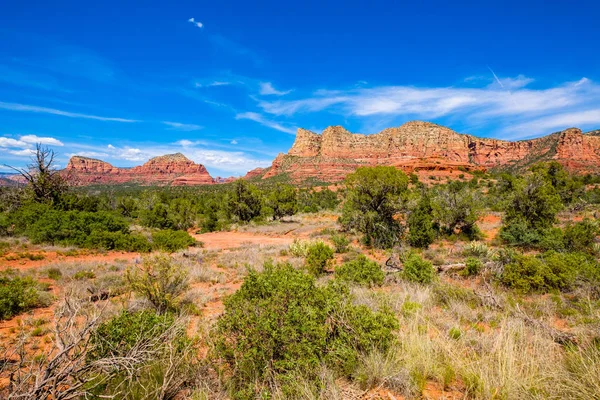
(173, 169)
(425, 146)
(255, 173)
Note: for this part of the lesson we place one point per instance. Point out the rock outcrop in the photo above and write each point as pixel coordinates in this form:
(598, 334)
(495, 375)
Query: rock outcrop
(417, 146)
(171, 169)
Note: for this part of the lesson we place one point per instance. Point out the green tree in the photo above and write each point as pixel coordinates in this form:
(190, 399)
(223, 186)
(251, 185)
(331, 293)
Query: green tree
(375, 198)
(283, 200)
(421, 231)
(245, 201)
(456, 207)
(532, 211)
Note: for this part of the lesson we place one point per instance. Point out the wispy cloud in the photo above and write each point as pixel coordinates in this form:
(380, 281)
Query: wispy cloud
(211, 84)
(263, 121)
(178, 126)
(45, 110)
(22, 153)
(491, 104)
(33, 139)
(198, 24)
(266, 88)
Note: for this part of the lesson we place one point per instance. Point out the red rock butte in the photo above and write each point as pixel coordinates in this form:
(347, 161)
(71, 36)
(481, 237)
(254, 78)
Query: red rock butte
(417, 146)
(171, 169)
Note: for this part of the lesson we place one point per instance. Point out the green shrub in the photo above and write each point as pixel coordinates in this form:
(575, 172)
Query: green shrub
(548, 271)
(418, 270)
(472, 266)
(118, 241)
(581, 235)
(361, 270)
(299, 248)
(18, 295)
(160, 280)
(171, 241)
(54, 273)
(83, 275)
(244, 201)
(117, 336)
(340, 242)
(318, 257)
(280, 326)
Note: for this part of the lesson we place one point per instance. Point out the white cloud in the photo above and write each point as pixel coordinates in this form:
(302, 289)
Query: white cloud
(234, 142)
(182, 127)
(494, 105)
(185, 143)
(45, 110)
(10, 142)
(558, 122)
(266, 88)
(110, 146)
(22, 153)
(33, 139)
(263, 121)
(196, 23)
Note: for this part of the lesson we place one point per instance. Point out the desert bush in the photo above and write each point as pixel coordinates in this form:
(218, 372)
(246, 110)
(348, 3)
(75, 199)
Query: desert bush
(280, 326)
(581, 235)
(160, 280)
(299, 248)
(54, 273)
(340, 242)
(374, 199)
(476, 249)
(318, 258)
(171, 241)
(117, 241)
(117, 336)
(549, 271)
(360, 270)
(472, 266)
(418, 270)
(18, 294)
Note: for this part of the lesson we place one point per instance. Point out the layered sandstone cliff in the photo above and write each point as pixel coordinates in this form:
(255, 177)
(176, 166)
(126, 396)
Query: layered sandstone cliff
(419, 145)
(171, 169)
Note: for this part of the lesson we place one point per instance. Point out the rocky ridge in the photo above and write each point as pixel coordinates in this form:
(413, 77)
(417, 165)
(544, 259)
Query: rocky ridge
(424, 146)
(170, 169)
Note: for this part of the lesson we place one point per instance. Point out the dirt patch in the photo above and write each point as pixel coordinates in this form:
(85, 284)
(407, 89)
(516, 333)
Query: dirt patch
(52, 257)
(230, 240)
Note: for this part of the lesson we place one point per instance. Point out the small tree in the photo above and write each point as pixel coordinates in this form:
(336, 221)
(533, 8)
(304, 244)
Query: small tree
(375, 198)
(45, 182)
(456, 207)
(283, 200)
(245, 201)
(421, 232)
(531, 211)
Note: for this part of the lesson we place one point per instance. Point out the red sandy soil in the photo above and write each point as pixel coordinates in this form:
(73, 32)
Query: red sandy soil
(490, 226)
(230, 240)
(52, 257)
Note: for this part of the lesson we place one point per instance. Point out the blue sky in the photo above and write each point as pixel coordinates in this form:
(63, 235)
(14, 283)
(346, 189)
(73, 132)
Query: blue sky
(227, 83)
